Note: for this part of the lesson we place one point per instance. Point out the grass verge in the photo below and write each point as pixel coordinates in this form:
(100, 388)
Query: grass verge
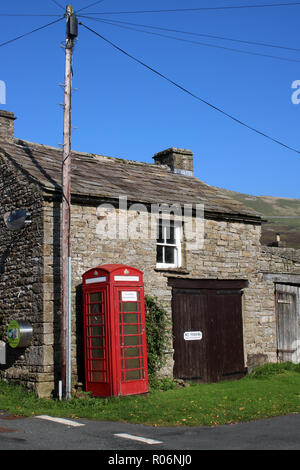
(271, 390)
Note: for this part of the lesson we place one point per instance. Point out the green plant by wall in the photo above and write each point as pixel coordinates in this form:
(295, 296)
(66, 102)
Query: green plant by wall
(157, 324)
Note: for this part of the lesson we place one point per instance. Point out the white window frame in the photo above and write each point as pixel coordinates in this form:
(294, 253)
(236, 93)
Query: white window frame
(176, 245)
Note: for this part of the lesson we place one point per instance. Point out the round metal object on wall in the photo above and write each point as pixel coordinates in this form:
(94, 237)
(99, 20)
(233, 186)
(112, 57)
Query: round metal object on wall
(19, 334)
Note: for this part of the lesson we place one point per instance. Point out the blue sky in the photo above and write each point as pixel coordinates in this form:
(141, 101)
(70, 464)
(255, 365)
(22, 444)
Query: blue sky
(124, 110)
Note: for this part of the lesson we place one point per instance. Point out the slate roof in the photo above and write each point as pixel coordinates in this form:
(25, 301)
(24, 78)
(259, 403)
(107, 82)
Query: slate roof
(292, 254)
(108, 177)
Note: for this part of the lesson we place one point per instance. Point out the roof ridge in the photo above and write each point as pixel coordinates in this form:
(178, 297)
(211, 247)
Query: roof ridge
(97, 156)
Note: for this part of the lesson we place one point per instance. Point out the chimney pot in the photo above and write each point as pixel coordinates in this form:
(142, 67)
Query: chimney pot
(7, 120)
(178, 160)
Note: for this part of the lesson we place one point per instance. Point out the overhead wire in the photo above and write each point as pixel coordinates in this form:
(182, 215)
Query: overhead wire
(58, 4)
(88, 6)
(193, 33)
(230, 7)
(27, 14)
(44, 14)
(185, 90)
(30, 32)
(156, 71)
(196, 42)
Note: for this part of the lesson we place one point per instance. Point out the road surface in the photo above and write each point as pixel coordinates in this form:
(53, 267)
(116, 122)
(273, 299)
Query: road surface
(46, 433)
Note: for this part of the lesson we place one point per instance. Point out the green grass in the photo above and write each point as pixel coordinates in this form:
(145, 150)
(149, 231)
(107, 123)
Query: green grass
(271, 390)
(288, 222)
(272, 209)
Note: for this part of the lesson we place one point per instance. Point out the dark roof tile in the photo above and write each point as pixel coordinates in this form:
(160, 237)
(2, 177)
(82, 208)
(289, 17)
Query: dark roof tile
(108, 177)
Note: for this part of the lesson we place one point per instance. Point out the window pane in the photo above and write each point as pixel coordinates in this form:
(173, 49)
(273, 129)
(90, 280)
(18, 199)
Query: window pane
(131, 352)
(130, 318)
(96, 342)
(171, 234)
(159, 254)
(160, 234)
(96, 331)
(97, 364)
(132, 364)
(169, 254)
(96, 308)
(132, 374)
(96, 319)
(131, 340)
(129, 306)
(98, 377)
(97, 353)
(131, 329)
(96, 297)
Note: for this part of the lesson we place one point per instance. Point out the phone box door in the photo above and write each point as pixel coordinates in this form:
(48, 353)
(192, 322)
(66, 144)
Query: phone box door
(96, 320)
(133, 370)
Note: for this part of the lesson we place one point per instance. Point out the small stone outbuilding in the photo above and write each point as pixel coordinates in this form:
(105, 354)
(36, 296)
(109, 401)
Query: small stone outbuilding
(200, 252)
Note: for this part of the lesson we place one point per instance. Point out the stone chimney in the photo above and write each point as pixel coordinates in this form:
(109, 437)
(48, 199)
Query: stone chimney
(278, 242)
(7, 120)
(178, 160)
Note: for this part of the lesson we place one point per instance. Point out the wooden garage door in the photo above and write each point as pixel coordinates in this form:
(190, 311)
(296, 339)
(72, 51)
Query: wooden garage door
(287, 304)
(208, 332)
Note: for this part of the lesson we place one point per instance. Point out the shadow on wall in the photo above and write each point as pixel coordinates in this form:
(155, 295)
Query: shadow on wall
(12, 354)
(79, 335)
(57, 308)
(56, 295)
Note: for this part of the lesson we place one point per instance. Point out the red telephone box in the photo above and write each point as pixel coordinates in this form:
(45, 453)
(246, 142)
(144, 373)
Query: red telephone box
(114, 331)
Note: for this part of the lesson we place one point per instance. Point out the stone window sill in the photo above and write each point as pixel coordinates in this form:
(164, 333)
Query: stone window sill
(172, 270)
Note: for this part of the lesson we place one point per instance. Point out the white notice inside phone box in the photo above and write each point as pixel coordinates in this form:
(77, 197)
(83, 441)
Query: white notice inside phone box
(129, 295)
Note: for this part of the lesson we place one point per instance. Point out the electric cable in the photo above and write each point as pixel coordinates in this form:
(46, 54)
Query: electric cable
(191, 33)
(162, 11)
(30, 32)
(27, 14)
(185, 90)
(84, 8)
(198, 9)
(58, 4)
(195, 42)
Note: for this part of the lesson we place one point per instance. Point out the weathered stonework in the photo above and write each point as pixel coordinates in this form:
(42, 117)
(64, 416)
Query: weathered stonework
(7, 120)
(21, 270)
(30, 258)
(231, 251)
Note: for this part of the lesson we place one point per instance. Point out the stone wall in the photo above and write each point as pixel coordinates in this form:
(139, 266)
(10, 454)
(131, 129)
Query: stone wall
(7, 119)
(21, 270)
(263, 339)
(231, 250)
(30, 276)
(89, 249)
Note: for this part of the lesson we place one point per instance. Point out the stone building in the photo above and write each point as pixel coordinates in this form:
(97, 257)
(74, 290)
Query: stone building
(199, 250)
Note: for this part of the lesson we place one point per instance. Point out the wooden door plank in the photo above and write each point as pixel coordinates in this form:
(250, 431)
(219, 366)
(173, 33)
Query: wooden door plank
(286, 322)
(217, 313)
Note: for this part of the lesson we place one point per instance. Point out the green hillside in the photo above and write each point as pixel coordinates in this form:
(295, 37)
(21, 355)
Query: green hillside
(281, 215)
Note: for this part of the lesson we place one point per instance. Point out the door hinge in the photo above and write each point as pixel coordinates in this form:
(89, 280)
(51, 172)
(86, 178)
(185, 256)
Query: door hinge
(287, 350)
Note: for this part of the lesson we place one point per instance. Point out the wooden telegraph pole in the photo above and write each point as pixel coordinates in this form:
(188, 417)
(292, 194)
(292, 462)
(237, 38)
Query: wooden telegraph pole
(66, 278)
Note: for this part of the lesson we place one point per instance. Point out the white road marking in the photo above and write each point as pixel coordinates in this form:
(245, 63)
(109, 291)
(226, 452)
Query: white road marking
(138, 438)
(68, 422)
